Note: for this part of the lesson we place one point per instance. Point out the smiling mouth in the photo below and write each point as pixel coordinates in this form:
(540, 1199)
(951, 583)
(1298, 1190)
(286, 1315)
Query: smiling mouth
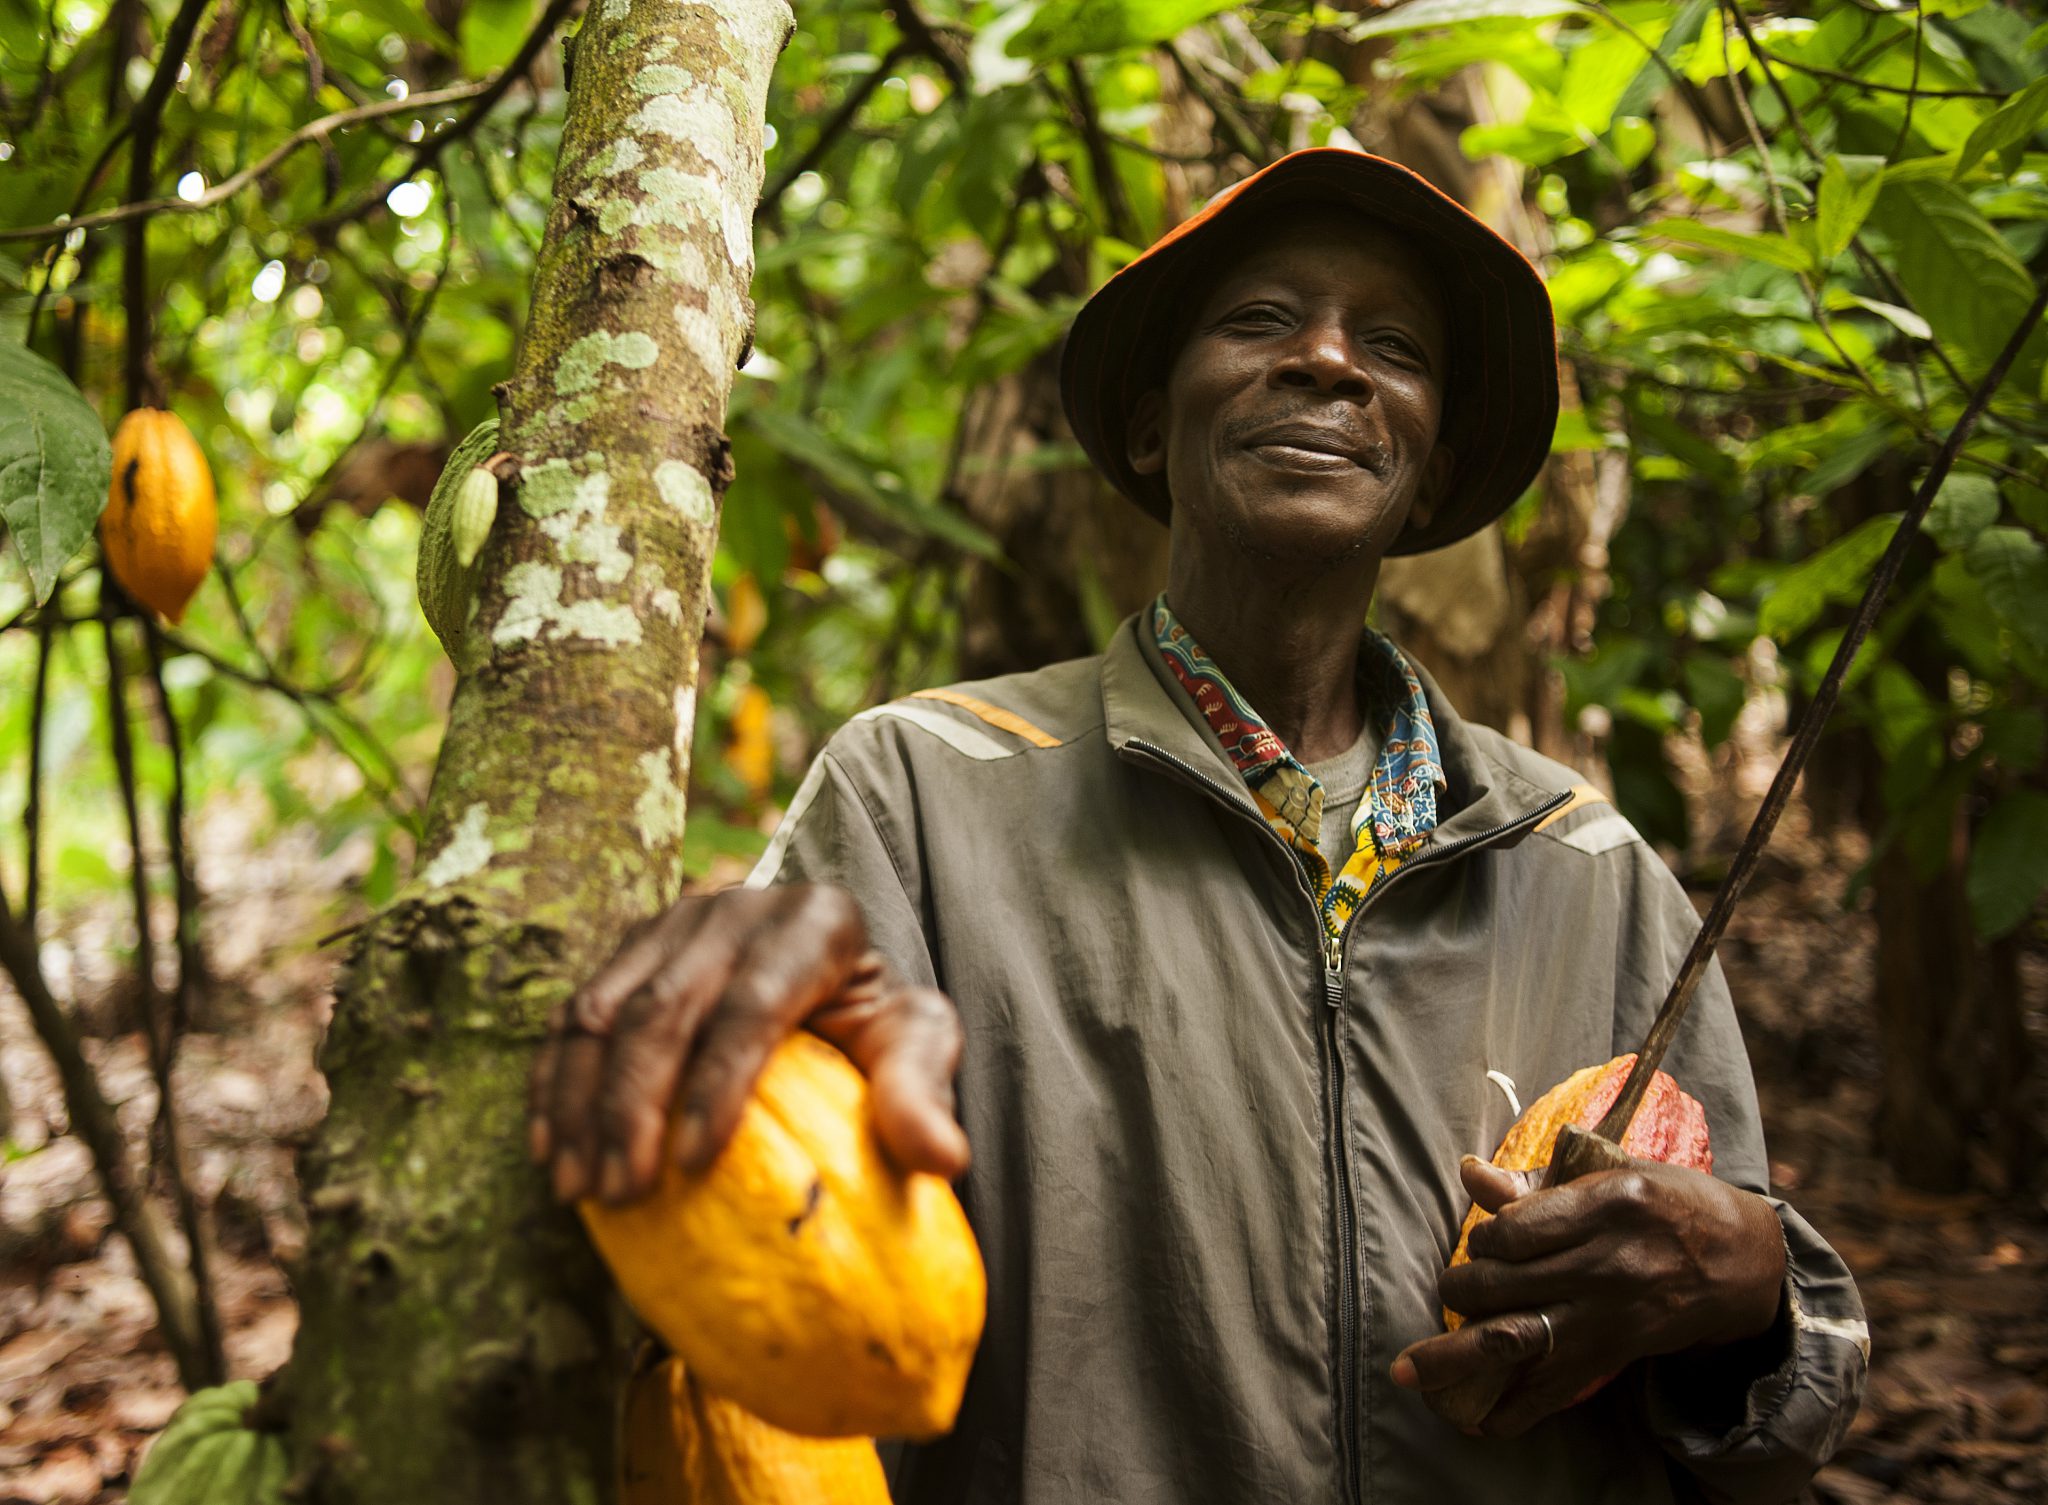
(1296, 449)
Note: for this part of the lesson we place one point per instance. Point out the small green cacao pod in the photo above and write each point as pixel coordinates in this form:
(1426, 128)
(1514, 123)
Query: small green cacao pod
(447, 582)
(208, 1455)
(476, 508)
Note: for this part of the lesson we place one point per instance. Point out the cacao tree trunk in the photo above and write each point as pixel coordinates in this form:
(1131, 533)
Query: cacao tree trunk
(458, 1340)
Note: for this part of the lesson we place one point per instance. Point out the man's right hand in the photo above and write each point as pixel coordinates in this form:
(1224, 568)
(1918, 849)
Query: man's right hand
(662, 1046)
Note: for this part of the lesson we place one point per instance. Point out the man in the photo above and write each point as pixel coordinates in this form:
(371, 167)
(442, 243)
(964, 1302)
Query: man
(1253, 938)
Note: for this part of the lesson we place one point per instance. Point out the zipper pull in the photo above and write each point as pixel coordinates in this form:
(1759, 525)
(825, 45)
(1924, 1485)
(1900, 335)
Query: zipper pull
(1333, 954)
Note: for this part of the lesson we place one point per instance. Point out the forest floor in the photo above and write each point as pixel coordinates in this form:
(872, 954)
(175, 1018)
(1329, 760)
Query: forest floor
(1957, 1408)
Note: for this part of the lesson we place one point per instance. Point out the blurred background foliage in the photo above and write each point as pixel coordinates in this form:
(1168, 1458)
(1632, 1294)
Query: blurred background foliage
(1784, 242)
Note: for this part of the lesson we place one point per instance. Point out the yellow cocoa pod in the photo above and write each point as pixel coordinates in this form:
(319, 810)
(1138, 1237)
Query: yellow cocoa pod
(684, 1446)
(161, 517)
(802, 1275)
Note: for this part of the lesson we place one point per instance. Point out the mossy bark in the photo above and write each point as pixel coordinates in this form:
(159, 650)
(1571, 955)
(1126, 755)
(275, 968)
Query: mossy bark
(458, 1340)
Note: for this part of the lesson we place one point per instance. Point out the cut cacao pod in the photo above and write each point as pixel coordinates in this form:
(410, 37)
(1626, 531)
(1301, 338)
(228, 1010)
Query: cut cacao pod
(1670, 1127)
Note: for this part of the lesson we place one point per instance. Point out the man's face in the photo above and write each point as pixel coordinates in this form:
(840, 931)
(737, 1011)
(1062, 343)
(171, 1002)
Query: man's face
(1299, 420)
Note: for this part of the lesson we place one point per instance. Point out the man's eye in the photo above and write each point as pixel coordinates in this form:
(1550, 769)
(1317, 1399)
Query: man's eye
(1262, 314)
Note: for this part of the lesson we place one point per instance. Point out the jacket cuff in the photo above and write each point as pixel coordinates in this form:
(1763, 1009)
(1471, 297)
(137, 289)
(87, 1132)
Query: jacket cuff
(1779, 1403)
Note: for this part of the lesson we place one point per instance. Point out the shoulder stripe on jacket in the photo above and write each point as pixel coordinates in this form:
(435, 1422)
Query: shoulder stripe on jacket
(1582, 796)
(994, 715)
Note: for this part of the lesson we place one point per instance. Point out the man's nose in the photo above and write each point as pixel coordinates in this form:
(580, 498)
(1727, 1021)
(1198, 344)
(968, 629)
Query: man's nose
(1321, 358)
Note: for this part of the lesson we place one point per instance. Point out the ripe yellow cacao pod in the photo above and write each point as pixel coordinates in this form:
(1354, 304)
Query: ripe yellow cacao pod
(685, 1446)
(158, 528)
(802, 1275)
(1669, 1126)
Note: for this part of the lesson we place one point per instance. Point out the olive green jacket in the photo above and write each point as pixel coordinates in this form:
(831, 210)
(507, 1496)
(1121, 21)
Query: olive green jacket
(1215, 1162)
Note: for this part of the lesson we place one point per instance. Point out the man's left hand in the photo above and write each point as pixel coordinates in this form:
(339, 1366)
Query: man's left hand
(1625, 1264)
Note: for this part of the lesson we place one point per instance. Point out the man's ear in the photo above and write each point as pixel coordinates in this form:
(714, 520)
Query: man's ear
(1145, 434)
(1431, 491)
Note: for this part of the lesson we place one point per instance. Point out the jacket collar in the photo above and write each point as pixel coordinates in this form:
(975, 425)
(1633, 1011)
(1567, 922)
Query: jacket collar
(1142, 721)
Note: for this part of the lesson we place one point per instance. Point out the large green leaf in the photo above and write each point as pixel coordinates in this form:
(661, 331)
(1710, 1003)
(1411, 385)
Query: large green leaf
(1958, 270)
(1837, 573)
(2013, 568)
(1775, 250)
(2007, 130)
(1426, 13)
(810, 447)
(1848, 189)
(2009, 863)
(1963, 508)
(1080, 28)
(491, 31)
(55, 465)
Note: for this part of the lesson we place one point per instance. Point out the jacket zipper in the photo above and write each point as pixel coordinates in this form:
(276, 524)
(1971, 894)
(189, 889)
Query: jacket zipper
(1336, 1142)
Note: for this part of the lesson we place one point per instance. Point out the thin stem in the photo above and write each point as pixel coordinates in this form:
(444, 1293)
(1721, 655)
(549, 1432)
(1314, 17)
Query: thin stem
(1869, 86)
(148, 118)
(770, 207)
(171, 1289)
(32, 814)
(1615, 1124)
(228, 187)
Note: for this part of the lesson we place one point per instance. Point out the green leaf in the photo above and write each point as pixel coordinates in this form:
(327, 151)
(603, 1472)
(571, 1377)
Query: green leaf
(1963, 508)
(491, 31)
(410, 21)
(1904, 320)
(1426, 13)
(2008, 863)
(1081, 28)
(1773, 249)
(1837, 573)
(1716, 691)
(55, 465)
(804, 443)
(1958, 270)
(1848, 189)
(2007, 129)
(2013, 569)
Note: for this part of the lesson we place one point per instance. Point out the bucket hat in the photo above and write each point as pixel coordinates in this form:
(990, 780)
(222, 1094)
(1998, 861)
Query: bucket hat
(1501, 390)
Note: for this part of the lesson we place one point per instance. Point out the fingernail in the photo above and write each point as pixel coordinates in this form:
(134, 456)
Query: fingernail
(613, 1179)
(688, 1143)
(568, 1177)
(1403, 1372)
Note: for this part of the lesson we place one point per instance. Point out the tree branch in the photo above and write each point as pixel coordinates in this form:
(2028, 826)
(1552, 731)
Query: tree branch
(770, 208)
(1867, 85)
(1116, 207)
(429, 150)
(148, 118)
(92, 1120)
(227, 188)
(1241, 136)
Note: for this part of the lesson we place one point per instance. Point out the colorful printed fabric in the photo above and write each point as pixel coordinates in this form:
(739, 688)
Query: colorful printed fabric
(1399, 809)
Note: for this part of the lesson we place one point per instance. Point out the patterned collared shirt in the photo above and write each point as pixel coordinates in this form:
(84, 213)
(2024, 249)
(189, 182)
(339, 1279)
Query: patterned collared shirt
(1399, 809)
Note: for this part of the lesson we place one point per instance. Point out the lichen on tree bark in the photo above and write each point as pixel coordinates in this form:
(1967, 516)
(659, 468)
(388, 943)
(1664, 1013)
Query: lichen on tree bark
(457, 1339)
